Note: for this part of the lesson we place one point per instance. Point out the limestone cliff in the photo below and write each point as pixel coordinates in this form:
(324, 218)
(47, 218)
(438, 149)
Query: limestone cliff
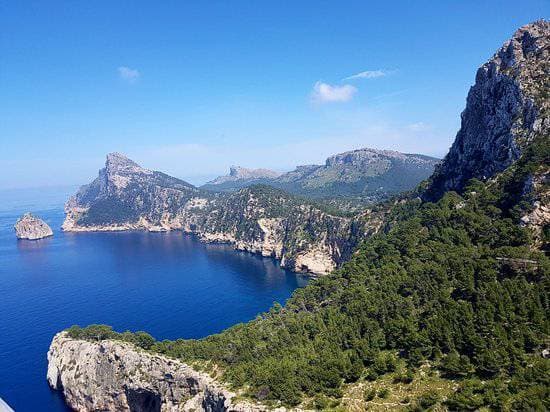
(259, 219)
(506, 109)
(31, 228)
(116, 376)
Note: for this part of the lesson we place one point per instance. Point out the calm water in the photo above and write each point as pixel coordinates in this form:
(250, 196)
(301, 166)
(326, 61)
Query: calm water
(168, 284)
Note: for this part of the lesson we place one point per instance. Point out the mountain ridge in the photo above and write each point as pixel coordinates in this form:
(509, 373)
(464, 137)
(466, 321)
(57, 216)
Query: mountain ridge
(505, 109)
(365, 175)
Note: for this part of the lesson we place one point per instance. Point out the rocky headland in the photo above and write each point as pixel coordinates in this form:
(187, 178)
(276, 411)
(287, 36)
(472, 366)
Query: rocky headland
(116, 376)
(31, 228)
(259, 219)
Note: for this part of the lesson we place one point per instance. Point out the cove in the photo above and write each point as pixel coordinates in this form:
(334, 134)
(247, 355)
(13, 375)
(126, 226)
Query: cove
(168, 284)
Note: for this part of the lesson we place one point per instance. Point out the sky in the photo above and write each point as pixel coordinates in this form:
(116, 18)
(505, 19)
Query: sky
(191, 88)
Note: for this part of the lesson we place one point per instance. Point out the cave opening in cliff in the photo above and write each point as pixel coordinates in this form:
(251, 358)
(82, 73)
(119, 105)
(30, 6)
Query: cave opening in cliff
(142, 400)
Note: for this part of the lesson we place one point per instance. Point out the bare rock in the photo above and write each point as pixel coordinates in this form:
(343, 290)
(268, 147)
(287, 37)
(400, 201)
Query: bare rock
(31, 228)
(506, 109)
(111, 375)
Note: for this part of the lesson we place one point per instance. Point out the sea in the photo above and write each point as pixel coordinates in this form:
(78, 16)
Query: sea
(168, 284)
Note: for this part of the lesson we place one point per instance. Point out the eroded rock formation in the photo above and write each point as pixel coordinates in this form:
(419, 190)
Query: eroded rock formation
(32, 228)
(258, 219)
(116, 376)
(506, 109)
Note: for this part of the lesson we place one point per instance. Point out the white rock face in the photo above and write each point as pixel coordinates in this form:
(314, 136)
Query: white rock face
(116, 376)
(506, 109)
(31, 228)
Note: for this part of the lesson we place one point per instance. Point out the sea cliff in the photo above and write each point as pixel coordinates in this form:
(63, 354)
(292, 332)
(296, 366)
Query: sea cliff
(111, 375)
(259, 219)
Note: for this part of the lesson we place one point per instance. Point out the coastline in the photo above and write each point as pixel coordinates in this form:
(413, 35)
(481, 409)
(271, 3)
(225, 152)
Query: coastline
(221, 240)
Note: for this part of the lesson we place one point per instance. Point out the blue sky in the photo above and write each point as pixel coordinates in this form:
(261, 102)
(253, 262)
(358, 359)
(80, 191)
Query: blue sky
(191, 88)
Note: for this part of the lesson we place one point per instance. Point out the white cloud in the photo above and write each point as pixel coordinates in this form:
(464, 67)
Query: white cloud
(368, 74)
(128, 74)
(325, 93)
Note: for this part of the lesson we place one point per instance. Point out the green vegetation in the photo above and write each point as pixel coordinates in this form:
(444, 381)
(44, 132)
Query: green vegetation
(348, 186)
(102, 332)
(108, 211)
(438, 290)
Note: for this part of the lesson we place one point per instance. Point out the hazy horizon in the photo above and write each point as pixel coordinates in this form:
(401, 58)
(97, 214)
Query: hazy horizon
(191, 89)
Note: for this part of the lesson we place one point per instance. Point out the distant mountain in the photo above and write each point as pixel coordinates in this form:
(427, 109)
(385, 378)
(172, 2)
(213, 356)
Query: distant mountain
(125, 192)
(370, 174)
(363, 175)
(240, 177)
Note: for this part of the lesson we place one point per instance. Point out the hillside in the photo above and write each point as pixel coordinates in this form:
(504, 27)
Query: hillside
(360, 177)
(447, 306)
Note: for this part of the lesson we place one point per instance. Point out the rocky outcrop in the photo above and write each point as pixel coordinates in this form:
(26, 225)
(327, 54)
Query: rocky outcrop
(115, 376)
(31, 228)
(506, 109)
(537, 189)
(258, 219)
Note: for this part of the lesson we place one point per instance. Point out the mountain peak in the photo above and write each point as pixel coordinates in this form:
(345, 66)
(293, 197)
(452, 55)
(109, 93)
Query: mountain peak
(526, 41)
(118, 162)
(244, 173)
(505, 110)
(367, 155)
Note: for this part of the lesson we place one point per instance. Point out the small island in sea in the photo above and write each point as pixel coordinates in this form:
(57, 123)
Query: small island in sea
(30, 227)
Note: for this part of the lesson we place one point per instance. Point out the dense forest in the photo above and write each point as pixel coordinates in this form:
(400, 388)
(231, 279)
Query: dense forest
(452, 286)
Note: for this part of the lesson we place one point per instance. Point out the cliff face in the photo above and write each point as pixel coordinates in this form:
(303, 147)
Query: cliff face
(258, 219)
(31, 228)
(506, 109)
(268, 221)
(116, 376)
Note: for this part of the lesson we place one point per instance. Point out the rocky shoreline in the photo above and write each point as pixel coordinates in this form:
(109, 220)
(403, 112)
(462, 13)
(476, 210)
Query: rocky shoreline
(113, 375)
(258, 219)
(314, 262)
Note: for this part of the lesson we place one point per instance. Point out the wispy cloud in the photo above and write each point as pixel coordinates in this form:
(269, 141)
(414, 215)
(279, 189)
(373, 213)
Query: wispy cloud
(369, 74)
(326, 93)
(419, 127)
(127, 74)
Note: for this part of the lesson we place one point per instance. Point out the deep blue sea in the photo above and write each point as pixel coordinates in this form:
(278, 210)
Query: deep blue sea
(168, 284)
